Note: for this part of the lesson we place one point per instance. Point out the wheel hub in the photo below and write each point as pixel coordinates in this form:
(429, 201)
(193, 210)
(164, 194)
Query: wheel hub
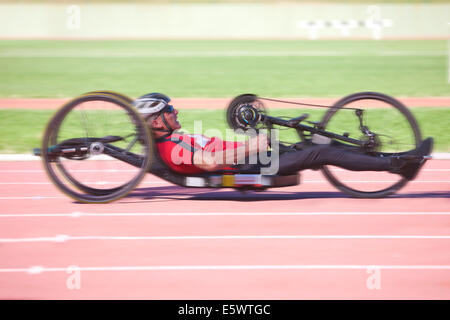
(96, 148)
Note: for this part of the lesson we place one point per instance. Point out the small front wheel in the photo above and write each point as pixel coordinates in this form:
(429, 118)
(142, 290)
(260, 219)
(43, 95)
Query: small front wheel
(244, 112)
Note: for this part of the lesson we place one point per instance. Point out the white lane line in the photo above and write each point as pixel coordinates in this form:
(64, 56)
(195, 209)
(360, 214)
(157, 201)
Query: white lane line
(430, 170)
(168, 183)
(85, 182)
(41, 269)
(169, 214)
(32, 198)
(379, 181)
(64, 238)
(78, 170)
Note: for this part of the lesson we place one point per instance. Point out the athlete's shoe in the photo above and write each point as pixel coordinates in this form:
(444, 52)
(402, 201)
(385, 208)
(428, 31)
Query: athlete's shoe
(408, 165)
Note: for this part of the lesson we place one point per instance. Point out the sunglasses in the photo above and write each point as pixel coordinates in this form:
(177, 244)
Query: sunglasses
(168, 109)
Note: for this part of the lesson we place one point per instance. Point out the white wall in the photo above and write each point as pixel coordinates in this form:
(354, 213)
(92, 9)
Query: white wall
(218, 21)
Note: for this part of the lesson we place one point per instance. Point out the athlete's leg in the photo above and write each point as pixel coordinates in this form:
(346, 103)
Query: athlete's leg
(320, 155)
(315, 156)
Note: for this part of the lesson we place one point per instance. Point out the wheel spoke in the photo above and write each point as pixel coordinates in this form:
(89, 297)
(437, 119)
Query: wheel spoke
(97, 116)
(396, 131)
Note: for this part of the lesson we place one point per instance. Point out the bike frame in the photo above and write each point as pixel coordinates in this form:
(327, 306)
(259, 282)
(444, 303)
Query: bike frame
(313, 130)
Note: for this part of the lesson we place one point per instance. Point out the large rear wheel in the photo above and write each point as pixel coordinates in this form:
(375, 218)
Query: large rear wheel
(394, 130)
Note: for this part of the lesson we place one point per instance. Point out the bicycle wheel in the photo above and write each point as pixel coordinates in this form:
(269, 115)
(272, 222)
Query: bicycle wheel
(113, 93)
(395, 129)
(103, 148)
(234, 108)
(79, 185)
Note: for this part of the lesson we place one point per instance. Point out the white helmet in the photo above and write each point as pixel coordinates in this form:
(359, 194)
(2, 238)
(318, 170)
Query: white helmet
(151, 103)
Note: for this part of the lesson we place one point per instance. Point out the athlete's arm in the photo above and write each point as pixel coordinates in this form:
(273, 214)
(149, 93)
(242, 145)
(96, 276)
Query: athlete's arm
(213, 161)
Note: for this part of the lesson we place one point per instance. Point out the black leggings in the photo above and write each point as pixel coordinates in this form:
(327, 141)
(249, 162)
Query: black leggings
(291, 162)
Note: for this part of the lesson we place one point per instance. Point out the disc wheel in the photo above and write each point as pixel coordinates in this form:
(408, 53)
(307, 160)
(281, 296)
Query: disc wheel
(95, 175)
(395, 129)
(235, 106)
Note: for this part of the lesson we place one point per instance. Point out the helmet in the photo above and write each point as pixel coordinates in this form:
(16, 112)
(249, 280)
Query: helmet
(151, 103)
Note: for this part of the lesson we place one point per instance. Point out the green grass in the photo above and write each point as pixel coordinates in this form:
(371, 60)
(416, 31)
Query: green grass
(203, 68)
(222, 69)
(20, 130)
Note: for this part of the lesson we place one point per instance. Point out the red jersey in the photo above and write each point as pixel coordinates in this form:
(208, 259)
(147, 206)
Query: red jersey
(177, 150)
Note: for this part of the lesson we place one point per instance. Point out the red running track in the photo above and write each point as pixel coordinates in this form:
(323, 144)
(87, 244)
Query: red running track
(219, 103)
(165, 242)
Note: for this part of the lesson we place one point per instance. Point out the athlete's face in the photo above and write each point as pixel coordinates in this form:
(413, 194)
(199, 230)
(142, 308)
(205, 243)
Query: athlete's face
(172, 118)
(170, 115)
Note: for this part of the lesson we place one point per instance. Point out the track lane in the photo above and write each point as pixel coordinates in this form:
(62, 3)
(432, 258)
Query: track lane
(155, 195)
(231, 285)
(123, 225)
(226, 252)
(227, 284)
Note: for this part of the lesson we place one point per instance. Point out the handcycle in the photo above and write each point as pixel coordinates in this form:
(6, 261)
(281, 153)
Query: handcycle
(97, 148)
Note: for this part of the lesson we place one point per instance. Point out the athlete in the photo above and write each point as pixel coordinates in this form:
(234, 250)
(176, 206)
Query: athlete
(193, 154)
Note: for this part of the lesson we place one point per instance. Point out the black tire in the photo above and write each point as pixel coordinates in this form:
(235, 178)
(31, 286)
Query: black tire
(61, 175)
(414, 136)
(68, 176)
(87, 189)
(113, 93)
(236, 103)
